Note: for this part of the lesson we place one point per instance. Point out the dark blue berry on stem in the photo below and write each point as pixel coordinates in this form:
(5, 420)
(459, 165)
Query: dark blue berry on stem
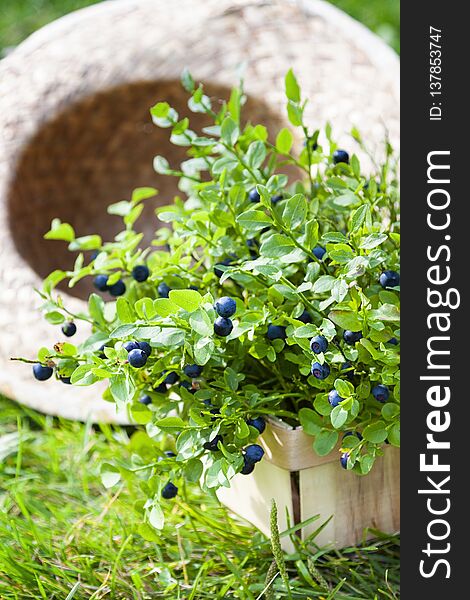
(128, 346)
(42, 372)
(381, 393)
(146, 400)
(169, 491)
(145, 347)
(161, 389)
(225, 306)
(171, 378)
(320, 371)
(254, 196)
(340, 156)
(66, 380)
(344, 460)
(319, 252)
(393, 341)
(223, 326)
(137, 358)
(212, 445)
(192, 370)
(118, 288)
(140, 273)
(248, 467)
(69, 329)
(101, 283)
(354, 433)
(334, 398)
(163, 290)
(169, 454)
(318, 344)
(276, 332)
(258, 423)
(254, 453)
(351, 337)
(277, 198)
(389, 279)
(305, 317)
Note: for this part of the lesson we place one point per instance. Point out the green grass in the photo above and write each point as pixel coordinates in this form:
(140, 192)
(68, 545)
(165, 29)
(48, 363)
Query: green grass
(63, 536)
(19, 18)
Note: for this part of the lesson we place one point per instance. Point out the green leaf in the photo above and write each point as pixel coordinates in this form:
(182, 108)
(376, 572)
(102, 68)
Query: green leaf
(338, 416)
(254, 220)
(60, 231)
(394, 434)
(358, 217)
(310, 421)
(284, 141)
(229, 131)
(295, 211)
(372, 240)
(83, 375)
(188, 300)
(143, 193)
(110, 475)
(156, 517)
(346, 319)
(54, 317)
(390, 411)
(87, 242)
(170, 423)
(294, 113)
(276, 246)
(344, 388)
(164, 307)
(123, 331)
(375, 432)
(201, 323)
(292, 87)
(325, 441)
(386, 312)
(341, 253)
(256, 154)
(323, 284)
(187, 80)
(124, 310)
(193, 470)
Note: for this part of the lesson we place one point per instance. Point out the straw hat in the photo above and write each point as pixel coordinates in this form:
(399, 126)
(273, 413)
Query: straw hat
(75, 132)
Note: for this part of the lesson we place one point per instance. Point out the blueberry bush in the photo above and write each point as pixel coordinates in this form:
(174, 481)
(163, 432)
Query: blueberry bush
(263, 295)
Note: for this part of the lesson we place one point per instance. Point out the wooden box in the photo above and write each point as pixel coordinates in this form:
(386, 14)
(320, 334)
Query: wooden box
(304, 484)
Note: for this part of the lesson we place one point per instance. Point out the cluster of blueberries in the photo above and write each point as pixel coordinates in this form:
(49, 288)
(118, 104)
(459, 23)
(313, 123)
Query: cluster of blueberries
(140, 273)
(137, 353)
(225, 308)
(252, 454)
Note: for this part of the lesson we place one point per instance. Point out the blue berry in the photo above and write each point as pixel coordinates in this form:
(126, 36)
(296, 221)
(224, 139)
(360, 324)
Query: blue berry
(305, 317)
(340, 156)
(344, 460)
(169, 454)
(254, 453)
(145, 347)
(128, 346)
(319, 252)
(41, 372)
(188, 386)
(118, 288)
(212, 445)
(277, 198)
(163, 290)
(381, 393)
(137, 358)
(258, 423)
(334, 398)
(171, 378)
(351, 337)
(69, 329)
(347, 366)
(389, 279)
(169, 491)
(318, 344)
(254, 196)
(192, 370)
(145, 400)
(140, 273)
(223, 326)
(276, 332)
(101, 283)
(66, 380)
(161, 389)
(248, 467)
(225, 306)
(320, 371)
(393, 341)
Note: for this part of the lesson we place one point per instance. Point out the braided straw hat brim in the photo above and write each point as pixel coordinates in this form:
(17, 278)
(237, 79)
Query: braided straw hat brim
(75, 132)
